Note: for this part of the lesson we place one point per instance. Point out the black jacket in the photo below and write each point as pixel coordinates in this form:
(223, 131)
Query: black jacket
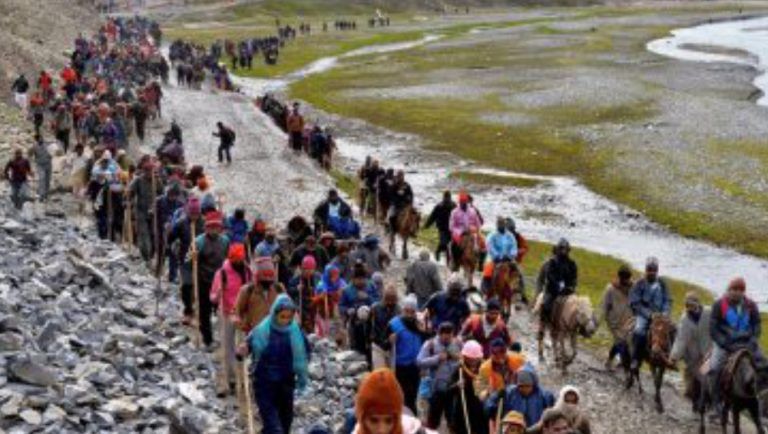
(441, 216)
(321, 212)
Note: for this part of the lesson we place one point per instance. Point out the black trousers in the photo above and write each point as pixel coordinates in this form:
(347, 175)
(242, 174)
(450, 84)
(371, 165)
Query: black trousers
(438, 406)
(206, 308)
(409, 376)
(224, 151)
(186, 298)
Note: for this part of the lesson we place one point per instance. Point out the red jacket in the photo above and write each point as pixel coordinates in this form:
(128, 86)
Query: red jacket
(473, 329)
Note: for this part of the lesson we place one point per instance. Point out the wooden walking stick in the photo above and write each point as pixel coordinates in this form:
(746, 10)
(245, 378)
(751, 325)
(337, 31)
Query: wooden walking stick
(195, 287)
(464, 399)
(499, 411)
(248, 398)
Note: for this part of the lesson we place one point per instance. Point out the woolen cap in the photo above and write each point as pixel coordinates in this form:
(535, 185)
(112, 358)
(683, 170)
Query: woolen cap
(379, 394)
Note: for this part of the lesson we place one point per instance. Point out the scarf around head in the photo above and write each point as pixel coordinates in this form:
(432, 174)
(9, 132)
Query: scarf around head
(259, 339)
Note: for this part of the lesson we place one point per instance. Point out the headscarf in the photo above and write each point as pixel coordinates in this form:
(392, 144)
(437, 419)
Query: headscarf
(379, 393)
(326, 285)
(259, 339)
(571, 411)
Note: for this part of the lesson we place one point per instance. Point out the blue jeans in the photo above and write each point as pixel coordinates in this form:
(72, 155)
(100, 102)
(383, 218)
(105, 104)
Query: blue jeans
(275, 401)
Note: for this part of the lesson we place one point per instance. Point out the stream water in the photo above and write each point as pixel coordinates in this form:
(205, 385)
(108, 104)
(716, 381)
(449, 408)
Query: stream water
(559, 206)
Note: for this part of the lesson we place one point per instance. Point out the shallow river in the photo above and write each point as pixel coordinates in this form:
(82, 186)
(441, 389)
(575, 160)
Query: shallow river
(562, 206)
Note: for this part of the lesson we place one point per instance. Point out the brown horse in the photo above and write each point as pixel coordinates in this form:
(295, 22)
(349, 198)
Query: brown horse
(467, 262)
(572, 315)
(504, 285)
(661, 336)
(407, 223)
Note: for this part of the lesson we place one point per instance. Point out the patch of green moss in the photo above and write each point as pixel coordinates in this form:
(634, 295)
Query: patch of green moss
(499, 180)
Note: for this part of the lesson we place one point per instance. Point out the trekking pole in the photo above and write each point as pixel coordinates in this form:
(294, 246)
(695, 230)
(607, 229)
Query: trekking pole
(248, 398)
(464, 399)
(195, 288)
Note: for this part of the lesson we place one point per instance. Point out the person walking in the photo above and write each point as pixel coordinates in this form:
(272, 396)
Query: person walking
(18, 172)
(227, 281)
(212, 248)
(302, 290)
(382, 313)
(618, 316)
(406, 339)
(256, 298)
(227, 139)
(440, 217)
(439, 357)
(280, 356)
(143, 189)
(181, 235)
(62, 123)
(295, 126)
(422, 278)
(44, 165)
(692, 342)
(20, 87)
(449, 305)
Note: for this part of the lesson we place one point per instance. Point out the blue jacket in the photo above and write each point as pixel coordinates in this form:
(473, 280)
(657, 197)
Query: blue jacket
(408, 344)
(531, 406)
(344, 228)
(443, 308)
(236, 229)
(730, 328)
(645, 298)
(352, 299)
(502, 245)
(266, 248)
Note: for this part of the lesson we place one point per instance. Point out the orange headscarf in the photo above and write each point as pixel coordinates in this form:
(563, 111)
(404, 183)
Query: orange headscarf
(379, 393)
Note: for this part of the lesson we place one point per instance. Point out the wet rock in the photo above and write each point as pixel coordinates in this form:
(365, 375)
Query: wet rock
(12, 406)
(27, 371)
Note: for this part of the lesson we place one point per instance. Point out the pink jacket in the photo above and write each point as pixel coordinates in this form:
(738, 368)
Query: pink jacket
(233, 285)
(462, 221)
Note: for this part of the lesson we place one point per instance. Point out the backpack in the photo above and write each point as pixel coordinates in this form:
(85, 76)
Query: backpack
(232, 136)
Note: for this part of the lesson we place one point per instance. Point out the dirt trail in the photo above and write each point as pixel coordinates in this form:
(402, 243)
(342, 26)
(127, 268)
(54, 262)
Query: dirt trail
(264, 176)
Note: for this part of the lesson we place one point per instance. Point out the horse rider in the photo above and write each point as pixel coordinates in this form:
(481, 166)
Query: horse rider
(559, 277)
(441, 218)
(330, 208)
(649, 297)
(502, 245)
(401, 197)
(369, 175)
(463, 219)
(734, 325)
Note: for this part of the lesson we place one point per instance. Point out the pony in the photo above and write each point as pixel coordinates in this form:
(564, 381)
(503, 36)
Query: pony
(739, 385)
(468, 261)
(661, 336)
(407, 223)
(504, 285)
(572, 316)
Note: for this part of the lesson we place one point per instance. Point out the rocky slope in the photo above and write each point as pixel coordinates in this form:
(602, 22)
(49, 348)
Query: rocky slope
(36, 33)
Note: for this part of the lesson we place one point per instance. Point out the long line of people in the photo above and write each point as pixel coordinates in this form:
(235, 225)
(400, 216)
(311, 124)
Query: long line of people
(432, 351)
